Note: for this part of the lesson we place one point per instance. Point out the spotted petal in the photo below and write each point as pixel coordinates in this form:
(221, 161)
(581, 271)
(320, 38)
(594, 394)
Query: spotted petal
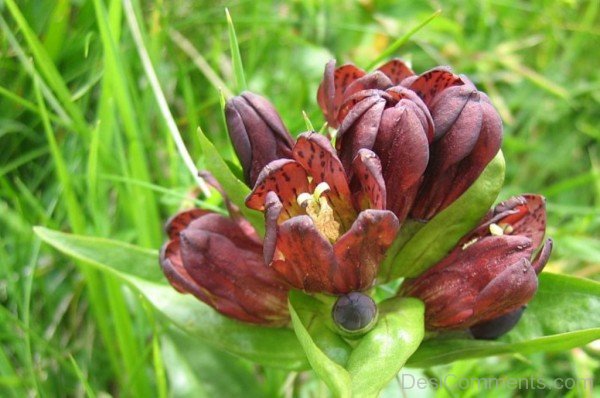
(432, 82)
(396, 70)
(371, 191)
(331, 90)
(288, 179)
(360, 250)
(304, 258)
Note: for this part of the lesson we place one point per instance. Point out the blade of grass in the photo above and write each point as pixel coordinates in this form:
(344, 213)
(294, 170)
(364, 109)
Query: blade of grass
(236, 58)
(187, 47)
(145, 207)
(47, 68)
(402, 40)
(134, 26)
(82, 379)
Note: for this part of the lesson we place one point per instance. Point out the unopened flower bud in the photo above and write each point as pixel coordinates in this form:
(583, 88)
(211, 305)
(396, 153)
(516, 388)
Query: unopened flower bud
(257, 133)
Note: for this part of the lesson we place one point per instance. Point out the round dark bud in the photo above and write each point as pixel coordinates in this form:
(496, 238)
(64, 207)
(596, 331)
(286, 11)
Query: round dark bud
(354, 313)
(494, 328)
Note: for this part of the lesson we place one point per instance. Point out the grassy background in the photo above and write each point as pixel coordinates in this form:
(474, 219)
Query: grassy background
(85, 149)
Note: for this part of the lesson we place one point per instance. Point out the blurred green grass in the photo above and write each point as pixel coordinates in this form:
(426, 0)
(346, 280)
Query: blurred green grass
(85, 149)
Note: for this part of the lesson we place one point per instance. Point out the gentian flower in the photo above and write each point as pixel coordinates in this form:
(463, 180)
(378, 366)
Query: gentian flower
(491, 273)
(433, 132)
(220, 261)
(320, 236)
(257, 133)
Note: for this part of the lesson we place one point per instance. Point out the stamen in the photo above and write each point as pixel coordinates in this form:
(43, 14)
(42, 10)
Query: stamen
(496, 230)
(508, 229)
(304, 199)
(317, 207)
(320, 189)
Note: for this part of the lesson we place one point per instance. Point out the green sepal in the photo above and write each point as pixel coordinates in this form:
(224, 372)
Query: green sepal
(419, 247)
(375, 358)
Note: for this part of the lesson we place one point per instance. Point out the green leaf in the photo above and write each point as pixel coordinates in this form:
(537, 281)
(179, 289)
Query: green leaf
(375, 358)
(235, 189)
(277, 347)
(417, 249)
(402, 40)
(381, 353)
(121, 257)
(565, 313)
(236, 58)
(198, 370)
(333, 374)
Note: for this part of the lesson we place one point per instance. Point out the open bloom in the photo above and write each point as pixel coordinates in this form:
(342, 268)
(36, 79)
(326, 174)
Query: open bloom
(437, 130)
(492, 272)
(321, 235)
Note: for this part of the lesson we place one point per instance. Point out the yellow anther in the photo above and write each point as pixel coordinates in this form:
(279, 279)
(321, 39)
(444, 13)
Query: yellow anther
(304, 199)
(496, 230)
(317, 207)
(507, 228)
(320, 189)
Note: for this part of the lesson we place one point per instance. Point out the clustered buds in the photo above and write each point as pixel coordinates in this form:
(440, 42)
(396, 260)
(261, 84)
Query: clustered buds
(491, 274)
(406, 147)
(434, 133)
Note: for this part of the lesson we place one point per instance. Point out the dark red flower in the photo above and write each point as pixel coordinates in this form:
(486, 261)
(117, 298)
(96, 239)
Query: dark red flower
(492, 272)
(434, 133)
(318, 238)
(468, 134)
(257, 133)
(320, 235)
(221, 263)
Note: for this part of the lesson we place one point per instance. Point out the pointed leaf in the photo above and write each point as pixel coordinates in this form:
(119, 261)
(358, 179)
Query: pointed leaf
(409, 258)
(275, 347)
(235, 189)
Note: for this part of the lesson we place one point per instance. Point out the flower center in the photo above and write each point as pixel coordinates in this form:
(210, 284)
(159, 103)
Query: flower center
(319, 210)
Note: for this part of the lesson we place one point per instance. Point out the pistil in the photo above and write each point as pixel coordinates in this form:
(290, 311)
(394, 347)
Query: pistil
(318, 209)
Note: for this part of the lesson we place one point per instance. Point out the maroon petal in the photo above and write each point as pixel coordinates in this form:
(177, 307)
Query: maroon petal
(273, 209)
(359, 251)
(330, 94)
(285, 177)
(221, 259)
(180, 221)
(367, 170)
(448, 105)
(257, 133)
(304, 257)
(432, 82)
(451, 288)
(487, 146)
(371, 81)
(326, 92)
(396, 70)
(359, 128)
(410, 99)
(172, 266)
(446, 153)
(403, 149)
(508, 291)
(543, 256)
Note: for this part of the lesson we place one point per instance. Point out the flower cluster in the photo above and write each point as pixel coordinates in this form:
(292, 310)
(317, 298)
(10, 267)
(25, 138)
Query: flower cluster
(406, 147)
